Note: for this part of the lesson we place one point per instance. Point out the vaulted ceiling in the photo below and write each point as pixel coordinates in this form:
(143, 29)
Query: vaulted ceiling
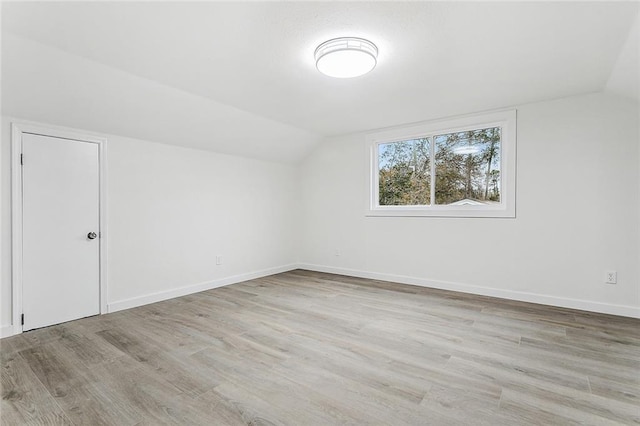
(240, 77)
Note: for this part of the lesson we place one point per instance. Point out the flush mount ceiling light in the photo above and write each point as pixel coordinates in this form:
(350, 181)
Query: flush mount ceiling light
(346, 57)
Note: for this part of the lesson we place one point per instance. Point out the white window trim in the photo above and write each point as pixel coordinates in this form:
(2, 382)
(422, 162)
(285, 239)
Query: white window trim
(506, 119)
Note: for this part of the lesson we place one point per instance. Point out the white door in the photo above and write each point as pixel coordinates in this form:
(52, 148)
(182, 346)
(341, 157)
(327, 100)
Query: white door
(60, 215)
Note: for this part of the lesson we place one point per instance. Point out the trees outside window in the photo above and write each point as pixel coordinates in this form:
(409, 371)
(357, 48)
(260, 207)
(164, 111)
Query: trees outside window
(447, 170)
(405, 173)
(467, 163)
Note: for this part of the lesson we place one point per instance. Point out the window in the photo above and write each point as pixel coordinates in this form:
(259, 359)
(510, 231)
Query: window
(457, 167)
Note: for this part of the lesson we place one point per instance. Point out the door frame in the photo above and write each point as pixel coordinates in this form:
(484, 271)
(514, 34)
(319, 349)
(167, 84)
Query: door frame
(18, 129)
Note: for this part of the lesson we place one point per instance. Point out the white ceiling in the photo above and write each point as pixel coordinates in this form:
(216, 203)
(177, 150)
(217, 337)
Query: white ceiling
(436, 58)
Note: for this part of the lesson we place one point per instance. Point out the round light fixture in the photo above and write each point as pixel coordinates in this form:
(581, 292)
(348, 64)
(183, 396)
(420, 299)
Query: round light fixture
(346, 57)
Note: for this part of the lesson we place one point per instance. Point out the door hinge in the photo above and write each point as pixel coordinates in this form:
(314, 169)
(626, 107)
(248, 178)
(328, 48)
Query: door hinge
(22, 319)
(22, 159)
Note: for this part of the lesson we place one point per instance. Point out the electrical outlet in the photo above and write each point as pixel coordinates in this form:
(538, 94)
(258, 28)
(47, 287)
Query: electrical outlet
(337, 252)
(218, 260)
(611, 277)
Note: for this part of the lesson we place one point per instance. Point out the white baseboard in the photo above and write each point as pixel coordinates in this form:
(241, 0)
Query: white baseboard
(583, 305)
(6, 331)
(195, 288)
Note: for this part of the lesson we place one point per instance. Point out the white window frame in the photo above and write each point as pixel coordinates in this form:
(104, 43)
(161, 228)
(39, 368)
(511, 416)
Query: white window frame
(505, 119)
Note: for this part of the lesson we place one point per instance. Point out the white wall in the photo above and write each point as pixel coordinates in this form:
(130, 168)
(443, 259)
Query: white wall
(624, 80)
(171, 210)
(577, 215)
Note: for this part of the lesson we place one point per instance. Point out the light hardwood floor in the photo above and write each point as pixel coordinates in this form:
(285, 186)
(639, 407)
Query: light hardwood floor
(305, 348)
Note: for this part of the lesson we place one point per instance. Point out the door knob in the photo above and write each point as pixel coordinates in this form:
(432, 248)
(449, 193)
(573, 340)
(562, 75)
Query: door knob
(92, 235)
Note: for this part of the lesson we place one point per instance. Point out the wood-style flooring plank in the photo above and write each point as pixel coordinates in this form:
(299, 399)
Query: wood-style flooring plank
(24, 397)
(307, 348)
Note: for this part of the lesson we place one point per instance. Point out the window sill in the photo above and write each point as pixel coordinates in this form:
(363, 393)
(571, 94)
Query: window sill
(444, 211)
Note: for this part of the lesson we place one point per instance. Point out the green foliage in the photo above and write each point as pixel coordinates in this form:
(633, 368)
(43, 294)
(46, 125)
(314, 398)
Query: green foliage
(405, 173)
(467, 167)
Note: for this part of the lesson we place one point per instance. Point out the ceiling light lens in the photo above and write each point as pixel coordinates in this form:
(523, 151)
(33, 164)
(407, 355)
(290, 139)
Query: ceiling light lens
(346, 57)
